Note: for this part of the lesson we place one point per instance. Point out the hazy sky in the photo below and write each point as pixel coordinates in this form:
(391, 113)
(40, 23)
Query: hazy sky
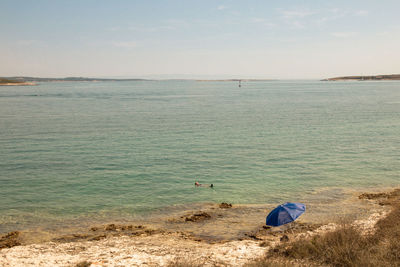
(268, 39)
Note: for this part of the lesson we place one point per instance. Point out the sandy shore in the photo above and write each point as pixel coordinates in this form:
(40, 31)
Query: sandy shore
(153, 245)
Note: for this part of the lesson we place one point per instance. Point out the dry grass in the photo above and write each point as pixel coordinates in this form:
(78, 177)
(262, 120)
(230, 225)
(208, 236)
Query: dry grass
(344, 247)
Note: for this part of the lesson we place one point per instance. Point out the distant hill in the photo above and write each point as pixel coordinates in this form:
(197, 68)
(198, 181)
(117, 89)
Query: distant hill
(69, 79)
(365, 78)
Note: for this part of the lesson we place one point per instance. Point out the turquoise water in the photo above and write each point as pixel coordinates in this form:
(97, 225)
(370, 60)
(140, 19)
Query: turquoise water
(73, 150)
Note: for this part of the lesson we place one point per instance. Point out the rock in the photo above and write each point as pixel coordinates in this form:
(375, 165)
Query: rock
(111, 227)
(388, 195)
(284, 238)
(150, 231)
(373, 195)
(253, 236)
(10, 240)
(71, 238)
(97, 237)
(224, 205)
(200, 216)
(126, 227)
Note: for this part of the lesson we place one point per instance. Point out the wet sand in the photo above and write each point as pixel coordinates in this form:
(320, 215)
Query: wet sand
(214, 235)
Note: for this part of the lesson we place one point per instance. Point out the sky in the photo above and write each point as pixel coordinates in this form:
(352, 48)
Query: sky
(283, 39)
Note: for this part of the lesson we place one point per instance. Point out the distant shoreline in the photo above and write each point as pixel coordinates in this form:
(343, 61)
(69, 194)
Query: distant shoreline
(391, 77)
(18, 84)
(237, 80)
(26, 79)
(29, 80)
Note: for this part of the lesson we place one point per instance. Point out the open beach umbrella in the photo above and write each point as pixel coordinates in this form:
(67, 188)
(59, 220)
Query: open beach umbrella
(285, 213)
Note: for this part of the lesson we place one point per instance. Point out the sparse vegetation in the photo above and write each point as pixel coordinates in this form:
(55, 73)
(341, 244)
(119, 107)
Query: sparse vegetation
(346, 246)
(343, 247)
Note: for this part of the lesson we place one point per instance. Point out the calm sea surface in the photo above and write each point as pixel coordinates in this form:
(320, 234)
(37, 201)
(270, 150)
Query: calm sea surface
(71, 150)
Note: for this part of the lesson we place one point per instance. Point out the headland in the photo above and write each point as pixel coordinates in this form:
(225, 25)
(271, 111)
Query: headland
(10, 82)
(390, 77)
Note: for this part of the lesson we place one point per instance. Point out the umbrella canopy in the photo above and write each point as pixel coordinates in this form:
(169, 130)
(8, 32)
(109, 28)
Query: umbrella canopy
(285, 213)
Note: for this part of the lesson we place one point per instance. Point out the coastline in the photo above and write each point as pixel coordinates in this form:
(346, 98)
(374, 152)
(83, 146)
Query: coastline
(18, 84)
(151, 244)
(390, 77)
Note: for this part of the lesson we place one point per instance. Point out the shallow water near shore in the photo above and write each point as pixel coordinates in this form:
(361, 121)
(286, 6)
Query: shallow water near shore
(85, 153)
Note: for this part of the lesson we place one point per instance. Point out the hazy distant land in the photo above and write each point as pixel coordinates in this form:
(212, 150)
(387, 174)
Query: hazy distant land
(237, 80)
(25, 79)
(365, 78)
(4, 81)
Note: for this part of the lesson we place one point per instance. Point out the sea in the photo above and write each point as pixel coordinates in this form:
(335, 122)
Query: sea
(107, 151)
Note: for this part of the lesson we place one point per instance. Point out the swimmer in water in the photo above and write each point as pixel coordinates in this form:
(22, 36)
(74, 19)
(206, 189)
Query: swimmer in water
(197, 184)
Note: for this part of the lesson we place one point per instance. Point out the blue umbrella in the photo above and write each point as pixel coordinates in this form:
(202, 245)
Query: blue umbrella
(285, 213)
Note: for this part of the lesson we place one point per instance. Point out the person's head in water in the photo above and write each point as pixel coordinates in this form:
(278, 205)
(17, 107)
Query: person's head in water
(211, 185)
(196, 184)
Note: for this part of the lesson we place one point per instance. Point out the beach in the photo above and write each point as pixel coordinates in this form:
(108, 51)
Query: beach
(150, 245)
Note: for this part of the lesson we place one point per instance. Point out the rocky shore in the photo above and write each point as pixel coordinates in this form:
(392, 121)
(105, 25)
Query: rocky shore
(152, 245)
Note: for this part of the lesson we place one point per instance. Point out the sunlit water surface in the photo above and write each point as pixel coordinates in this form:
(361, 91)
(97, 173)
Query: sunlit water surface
(101, 151)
